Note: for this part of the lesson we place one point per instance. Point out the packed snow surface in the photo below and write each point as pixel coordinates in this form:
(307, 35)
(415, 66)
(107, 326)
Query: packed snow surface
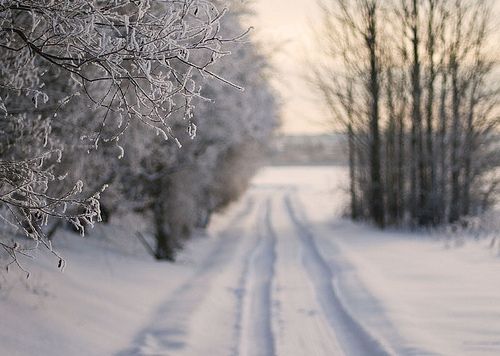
(279, 273)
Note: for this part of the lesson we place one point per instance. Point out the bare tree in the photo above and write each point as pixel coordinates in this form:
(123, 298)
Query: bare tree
(356, 45)
(423, 108)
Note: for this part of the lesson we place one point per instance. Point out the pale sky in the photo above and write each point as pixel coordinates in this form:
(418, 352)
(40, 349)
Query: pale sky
(284, 28)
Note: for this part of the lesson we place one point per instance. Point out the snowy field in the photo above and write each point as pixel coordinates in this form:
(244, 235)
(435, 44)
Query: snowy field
(279, 273)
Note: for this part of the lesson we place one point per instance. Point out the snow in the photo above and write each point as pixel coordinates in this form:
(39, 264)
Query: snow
(280, 272)
(440, 301)
(414, 291)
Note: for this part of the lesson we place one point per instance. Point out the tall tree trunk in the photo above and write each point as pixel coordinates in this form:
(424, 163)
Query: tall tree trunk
(443, 153)
(455, 142)
(164, 243)
(391, 187)
(377, 211)
(418, 168)
(352, 171)
(429, 213)
(468, 151)
(401, 174)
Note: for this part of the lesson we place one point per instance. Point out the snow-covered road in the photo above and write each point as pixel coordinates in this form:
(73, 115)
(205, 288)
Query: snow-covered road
(279, 273)
(263, 289)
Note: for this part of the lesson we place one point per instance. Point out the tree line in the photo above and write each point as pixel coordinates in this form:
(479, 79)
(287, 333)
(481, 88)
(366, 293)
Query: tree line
(414, 84)
(110, 107)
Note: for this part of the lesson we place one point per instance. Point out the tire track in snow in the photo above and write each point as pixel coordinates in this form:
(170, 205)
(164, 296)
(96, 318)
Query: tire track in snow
(254, 326)
(301, 328)
(354, 338)
(346, 280)
(167, 332)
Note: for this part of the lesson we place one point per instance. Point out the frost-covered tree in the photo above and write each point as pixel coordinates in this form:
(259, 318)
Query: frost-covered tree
(74, 75)
(179, 189)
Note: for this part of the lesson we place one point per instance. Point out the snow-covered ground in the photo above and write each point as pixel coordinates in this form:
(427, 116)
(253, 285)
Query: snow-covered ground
(279, 273)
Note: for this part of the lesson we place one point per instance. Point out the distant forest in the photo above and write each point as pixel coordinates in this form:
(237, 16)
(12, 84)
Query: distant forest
(324, 149)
